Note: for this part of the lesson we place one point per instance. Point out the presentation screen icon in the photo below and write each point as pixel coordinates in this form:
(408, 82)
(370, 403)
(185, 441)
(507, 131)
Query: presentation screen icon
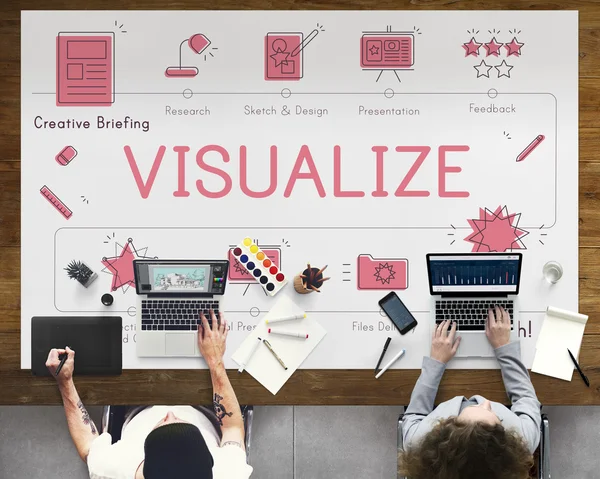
(387, 51)
(85, 69)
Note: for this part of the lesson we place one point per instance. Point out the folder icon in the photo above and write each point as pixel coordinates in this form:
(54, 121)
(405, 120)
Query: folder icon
(382, 273)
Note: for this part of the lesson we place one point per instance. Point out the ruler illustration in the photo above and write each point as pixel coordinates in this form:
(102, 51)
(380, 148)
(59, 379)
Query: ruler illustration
(56, 202)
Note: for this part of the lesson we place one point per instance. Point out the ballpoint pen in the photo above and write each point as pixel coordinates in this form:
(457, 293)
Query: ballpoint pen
(387, 343)
(268, 345)
(583, 376)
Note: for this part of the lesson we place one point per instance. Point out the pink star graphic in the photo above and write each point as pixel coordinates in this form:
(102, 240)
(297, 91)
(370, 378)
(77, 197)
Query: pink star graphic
(514, 47)
(471, 48)
(374, 50)
(496, 231)
(492, 47)
(280, 58)
(120, 266)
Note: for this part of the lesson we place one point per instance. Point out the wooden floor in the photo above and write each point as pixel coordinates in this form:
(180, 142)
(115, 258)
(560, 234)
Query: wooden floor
(306, 386)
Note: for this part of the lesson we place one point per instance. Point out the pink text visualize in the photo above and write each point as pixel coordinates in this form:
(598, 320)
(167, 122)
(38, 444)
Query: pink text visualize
(303, 169)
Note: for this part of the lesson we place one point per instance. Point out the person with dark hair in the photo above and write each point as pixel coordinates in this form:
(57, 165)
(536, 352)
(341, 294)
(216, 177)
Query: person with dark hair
(164, 442)
(471, 438)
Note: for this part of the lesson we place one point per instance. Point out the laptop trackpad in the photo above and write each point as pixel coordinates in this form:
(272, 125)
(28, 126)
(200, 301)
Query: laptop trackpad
(475, 345)
(179, 344)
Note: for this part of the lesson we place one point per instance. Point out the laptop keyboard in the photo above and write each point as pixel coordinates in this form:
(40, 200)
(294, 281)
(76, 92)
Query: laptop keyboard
(470, 315)
(176, 315)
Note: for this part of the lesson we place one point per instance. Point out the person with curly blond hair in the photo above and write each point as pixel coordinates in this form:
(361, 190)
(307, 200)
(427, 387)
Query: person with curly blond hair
(471, 438)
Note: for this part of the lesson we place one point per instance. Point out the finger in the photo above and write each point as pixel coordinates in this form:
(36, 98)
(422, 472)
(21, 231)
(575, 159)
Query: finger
(505, 316)
(447, 327)
(205, 326)
(52, 357)
(215, 322)
(226, 332)
(221, 323)
(455, 345)
(70, 353)
(452, 332)
(487, 324)
(498, 313)
(440, 328)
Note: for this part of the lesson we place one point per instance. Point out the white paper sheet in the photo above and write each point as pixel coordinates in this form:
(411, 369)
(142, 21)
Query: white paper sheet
(560, 331)
(293, 351)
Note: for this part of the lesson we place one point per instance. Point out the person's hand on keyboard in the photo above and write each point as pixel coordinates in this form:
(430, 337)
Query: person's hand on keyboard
(212, 339)
(444, 343)
(497, 328)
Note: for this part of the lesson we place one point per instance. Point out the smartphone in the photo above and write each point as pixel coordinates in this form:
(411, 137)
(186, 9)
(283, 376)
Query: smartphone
(395, 309)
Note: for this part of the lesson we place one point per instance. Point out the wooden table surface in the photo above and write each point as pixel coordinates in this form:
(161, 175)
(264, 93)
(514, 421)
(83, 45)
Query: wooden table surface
(306, 386)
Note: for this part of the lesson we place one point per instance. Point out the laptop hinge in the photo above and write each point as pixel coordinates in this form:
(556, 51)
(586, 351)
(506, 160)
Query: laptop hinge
(174, 295)
(474, 296)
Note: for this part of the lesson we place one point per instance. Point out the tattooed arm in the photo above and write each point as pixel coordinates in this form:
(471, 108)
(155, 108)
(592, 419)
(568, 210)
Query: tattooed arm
(82, 428)
(212, 341)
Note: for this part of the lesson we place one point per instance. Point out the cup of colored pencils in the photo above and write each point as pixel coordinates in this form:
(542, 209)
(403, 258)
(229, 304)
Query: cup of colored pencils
(311, 279)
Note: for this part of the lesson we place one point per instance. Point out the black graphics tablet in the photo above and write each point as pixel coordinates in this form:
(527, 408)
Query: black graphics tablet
(96, 340)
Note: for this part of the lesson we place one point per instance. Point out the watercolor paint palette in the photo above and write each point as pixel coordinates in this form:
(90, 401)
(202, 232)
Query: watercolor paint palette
(260, 266)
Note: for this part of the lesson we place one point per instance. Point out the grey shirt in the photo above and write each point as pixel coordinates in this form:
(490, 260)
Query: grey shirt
(524, 414)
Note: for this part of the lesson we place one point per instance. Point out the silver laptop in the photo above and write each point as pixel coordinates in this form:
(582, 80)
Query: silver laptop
(464, 286)
(171, 295)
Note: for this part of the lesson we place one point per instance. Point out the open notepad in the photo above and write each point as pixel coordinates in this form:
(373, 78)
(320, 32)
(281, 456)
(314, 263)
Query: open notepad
(561, 330)
(293, 351)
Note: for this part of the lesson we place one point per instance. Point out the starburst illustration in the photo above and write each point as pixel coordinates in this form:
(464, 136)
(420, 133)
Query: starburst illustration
(496, 231)
(384, 273)
(120, 266)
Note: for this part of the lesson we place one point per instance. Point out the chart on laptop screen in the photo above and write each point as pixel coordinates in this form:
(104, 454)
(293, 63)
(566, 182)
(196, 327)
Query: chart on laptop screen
(358, 140)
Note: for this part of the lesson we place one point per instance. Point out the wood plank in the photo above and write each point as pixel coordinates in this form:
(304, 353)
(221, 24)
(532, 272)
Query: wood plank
(318, 387)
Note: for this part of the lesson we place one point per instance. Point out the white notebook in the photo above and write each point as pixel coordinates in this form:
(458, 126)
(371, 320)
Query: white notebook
(560, 331)
(293, 351)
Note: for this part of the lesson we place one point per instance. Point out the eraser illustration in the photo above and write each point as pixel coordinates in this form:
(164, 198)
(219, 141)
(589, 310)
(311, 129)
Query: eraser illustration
(66, 155)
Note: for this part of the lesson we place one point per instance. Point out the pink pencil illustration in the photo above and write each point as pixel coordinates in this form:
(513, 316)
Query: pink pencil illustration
(532, 146)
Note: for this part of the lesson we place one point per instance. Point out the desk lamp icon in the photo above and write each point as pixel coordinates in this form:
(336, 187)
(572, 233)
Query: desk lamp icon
(198, 43)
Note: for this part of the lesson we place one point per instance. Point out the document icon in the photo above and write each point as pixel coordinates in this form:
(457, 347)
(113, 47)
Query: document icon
(85, 69)
(378, 273)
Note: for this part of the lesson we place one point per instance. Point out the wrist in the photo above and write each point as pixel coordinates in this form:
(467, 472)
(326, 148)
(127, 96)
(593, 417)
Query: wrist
(66, 386)
(215, 364)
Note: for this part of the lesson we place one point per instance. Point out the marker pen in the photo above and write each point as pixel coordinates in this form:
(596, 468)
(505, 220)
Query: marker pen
(249, 357)
(286, 318)
(293, 334)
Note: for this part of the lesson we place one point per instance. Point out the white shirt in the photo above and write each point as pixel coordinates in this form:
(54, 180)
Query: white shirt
(122, 459)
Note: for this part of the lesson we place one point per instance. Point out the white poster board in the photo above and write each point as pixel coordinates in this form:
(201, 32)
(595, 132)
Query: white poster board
(329, 137)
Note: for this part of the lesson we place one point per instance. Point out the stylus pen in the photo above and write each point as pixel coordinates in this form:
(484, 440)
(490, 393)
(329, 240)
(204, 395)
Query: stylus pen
(249, 357)
(387, 343)
(268, 345)
(391, 363)
(63, 357)
(311, 36)
(583, 376)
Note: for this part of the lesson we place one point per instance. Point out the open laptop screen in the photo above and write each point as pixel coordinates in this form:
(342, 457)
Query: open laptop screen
(487, 273)
(180, 277)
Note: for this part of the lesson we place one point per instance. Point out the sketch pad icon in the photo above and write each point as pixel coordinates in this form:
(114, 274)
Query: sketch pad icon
(85, 74)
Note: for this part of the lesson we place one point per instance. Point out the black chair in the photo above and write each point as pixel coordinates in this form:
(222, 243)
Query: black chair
(541, 455)
(113, 418)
